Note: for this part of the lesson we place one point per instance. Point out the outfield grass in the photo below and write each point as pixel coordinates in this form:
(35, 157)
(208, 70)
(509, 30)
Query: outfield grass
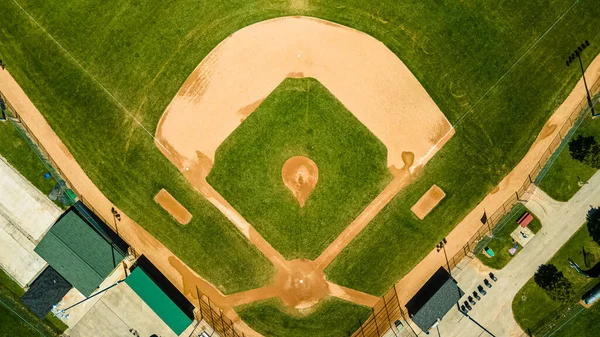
(17, 320)
(333, 317)
(532, 304)
(502, 242)
(300, 118)
(19, 155)
(561, 182)
(143, 51)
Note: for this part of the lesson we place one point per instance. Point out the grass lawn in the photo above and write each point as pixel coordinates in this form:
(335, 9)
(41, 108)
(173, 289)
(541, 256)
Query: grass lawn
(142, 51)
(502, 242)
(332, 317)
(561, 182)
(531, 304)
(19, 155)
(17, 320)
(300, 118)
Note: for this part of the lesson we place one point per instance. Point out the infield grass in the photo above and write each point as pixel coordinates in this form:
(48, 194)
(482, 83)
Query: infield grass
(332, 317)
(562, 180)
(300, 118)
(142, 51)
(531, 304)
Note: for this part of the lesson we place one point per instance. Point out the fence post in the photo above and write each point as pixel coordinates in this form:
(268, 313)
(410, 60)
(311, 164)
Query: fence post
(212, 318)
(388, 315)
(375, 320)
(361, 328)
(223, 323)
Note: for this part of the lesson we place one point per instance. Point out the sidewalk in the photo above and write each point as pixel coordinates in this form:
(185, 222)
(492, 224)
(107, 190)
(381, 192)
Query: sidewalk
(560, 221)
(25, 216)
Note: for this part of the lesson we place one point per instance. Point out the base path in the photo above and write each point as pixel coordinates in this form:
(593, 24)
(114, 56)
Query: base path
(462, 233)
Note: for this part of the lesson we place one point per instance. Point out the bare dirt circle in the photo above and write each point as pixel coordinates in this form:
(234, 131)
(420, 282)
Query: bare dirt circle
(301, 284)
(300, 175)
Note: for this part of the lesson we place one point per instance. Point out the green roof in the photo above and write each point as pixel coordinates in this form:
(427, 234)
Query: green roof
(78, 253)
(158, 301)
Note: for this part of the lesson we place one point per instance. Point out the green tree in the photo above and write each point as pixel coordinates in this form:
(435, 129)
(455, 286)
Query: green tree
(586, 150)
(549, 278)
(593, 225)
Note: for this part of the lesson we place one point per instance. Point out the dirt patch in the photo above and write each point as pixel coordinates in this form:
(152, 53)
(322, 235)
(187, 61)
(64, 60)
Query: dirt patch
(428, 201)
(171, 205)
(300, 175)
(301, 285)
(247, 110)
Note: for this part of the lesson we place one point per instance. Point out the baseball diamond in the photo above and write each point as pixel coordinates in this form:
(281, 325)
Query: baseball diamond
(291, 161)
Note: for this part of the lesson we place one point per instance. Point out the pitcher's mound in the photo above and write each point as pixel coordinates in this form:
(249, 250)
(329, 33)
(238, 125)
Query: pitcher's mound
(171, 205)
(300, 175)
(428, 201)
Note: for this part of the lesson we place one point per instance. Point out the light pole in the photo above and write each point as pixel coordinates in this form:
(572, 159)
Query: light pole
(577, 54)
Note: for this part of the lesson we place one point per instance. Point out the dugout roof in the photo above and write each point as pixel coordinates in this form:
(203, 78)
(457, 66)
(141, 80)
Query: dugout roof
(437, 296)
(158, 301)
(78, 252)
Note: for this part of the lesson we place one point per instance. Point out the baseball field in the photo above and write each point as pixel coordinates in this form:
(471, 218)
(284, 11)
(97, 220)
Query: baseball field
(143, 95)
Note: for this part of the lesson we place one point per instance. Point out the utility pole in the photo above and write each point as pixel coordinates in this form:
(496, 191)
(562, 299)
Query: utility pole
(577, 54)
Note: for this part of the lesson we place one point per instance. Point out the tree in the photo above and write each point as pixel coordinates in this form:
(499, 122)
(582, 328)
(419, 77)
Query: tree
(593, 225)
(586, 150)
(549, 278)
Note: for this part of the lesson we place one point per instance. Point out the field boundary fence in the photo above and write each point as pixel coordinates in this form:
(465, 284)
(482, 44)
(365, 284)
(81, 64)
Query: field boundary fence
(490, 221)
(494, 221)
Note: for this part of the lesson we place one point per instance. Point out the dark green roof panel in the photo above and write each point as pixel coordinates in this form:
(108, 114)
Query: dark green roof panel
(158, 301)
(78, 253)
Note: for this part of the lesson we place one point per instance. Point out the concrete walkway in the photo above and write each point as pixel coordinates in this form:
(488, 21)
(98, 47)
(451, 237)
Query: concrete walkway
(25, 215)
(560, 221)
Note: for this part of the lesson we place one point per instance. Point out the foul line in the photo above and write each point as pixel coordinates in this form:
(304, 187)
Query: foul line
(517, 62)
(91, 76)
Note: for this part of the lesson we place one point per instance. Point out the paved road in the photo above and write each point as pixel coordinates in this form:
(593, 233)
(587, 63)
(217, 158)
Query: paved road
(560, 221)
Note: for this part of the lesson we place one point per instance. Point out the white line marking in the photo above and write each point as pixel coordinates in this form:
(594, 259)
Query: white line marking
(91, 76)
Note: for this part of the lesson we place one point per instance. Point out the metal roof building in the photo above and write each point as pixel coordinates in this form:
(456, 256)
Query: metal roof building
(78, 252)
(433, 301)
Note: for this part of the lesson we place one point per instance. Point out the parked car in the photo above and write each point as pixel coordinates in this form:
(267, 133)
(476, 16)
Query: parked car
(471, 300)
(468, 306)
(487, 283)
(476, 295)
(493, 277)
(481, 290)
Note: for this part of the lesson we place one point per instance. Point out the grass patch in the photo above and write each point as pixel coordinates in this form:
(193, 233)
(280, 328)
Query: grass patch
(19, 155)
(502, 242)
(332, 317)
(300, 118)
(561, 182)
(16, 319)
(142, 51)
(532, 304)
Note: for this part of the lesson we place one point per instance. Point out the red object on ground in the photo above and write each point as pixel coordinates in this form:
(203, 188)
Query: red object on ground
(524, 222)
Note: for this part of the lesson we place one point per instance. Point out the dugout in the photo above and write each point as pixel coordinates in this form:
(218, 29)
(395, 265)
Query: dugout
(160, 295)
(433, 301)
(83, 254)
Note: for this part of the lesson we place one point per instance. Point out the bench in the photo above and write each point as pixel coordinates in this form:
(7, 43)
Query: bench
(525, 219)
